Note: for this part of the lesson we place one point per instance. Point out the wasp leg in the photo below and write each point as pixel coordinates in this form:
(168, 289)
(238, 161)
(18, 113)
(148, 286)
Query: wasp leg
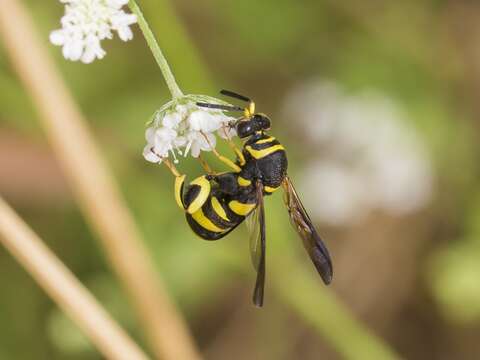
(237, 151)
(233, 146)
(222, 158)
(171, 167)
(179, 183)
(205, 165)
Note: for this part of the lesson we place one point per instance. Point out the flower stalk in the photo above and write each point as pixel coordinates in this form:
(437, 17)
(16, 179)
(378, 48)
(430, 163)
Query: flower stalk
(156, 51)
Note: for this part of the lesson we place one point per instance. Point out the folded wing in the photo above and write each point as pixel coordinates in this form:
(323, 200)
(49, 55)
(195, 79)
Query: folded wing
(304, 227)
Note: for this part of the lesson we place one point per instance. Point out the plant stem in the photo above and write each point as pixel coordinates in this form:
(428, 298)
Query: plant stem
(64, 288)
(157, 52)
(321, 309)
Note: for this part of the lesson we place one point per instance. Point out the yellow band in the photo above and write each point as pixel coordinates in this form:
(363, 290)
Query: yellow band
(258, 154)
(264, 141)
(240, 208)
(179, 180)
(243, 182)
(205, 222)
(219, 210)
(202, 195)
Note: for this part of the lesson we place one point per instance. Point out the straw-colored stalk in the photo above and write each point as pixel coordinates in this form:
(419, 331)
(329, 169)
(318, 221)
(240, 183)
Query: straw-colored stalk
(93, 185)
(64, 288)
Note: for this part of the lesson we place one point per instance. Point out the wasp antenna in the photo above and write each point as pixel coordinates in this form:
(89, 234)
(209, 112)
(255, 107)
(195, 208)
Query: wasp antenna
(234, 95)
(220, 107)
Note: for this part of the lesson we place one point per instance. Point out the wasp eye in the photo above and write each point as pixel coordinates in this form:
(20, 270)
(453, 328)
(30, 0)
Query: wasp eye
(265, 123)
(245, 129)
(261, 121)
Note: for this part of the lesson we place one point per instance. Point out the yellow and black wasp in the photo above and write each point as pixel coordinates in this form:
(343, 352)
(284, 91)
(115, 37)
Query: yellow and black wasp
(215, 204)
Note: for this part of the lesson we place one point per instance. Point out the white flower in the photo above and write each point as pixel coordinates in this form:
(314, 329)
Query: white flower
(161, 142)
(184, 128)
(149, 154)
(202, 120)
(371, 158)
(171, 120)
(196, 142)
(342, 195)
(86, 23)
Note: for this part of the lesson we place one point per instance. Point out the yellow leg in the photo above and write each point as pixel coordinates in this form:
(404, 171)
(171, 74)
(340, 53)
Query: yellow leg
(171, 167)
(222, 158)
(205, 165)
(237, 151)
(234, 147)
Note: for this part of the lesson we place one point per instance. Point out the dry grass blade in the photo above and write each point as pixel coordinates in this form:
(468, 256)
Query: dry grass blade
(62, 286)
(93, 185)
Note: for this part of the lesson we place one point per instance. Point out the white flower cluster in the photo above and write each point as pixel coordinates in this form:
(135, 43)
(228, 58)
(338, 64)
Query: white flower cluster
(370, 158)
(184, 128)
(86, 23)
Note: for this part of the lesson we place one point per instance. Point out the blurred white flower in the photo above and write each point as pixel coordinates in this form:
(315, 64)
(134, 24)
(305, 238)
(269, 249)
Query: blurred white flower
(370, 158)
(184, 128)
(332, 191)
(86, 23)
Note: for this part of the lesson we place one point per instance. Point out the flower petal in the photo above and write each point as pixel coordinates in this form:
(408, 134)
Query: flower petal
(86, 23)
(172, 119)
(57, 37)
(150, 156)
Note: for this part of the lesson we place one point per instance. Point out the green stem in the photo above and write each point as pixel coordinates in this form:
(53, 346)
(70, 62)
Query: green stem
(324, 312)
(157, 52)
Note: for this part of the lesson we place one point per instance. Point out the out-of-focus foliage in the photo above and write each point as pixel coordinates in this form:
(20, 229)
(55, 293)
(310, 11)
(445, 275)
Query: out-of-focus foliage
(413, 279)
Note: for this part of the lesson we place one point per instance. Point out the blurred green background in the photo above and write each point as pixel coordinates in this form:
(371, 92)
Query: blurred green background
(406, 257)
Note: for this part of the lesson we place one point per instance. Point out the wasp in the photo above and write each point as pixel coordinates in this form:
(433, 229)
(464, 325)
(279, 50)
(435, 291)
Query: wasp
(215, 204)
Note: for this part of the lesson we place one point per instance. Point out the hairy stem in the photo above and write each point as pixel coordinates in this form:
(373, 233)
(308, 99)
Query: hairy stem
(157, 52)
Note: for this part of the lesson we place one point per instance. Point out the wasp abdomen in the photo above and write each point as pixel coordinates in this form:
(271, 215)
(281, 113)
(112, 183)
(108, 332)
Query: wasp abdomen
(213, 212)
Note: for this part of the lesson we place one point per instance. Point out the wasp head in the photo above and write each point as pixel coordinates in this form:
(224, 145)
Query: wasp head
(256, 123)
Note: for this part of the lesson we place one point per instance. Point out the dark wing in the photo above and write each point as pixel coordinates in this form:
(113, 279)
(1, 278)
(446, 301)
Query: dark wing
(304, 227)
(256, 226)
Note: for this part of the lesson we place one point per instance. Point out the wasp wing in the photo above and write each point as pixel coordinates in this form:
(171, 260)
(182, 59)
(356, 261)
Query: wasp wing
(256, 226)
(304, 227)
(253, 226)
